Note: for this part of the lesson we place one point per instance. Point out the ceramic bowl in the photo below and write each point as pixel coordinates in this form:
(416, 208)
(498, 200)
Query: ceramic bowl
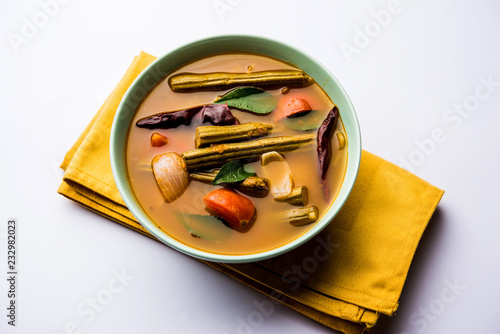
(164, 65)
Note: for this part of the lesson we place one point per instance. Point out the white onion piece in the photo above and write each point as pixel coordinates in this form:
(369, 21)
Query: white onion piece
(171, 175)
(276, 169)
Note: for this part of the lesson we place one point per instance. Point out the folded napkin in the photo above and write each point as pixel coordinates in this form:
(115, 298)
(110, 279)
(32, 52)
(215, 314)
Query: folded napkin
(344, 278)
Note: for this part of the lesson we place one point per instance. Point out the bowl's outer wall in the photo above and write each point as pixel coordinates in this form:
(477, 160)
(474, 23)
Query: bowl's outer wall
(160, 68)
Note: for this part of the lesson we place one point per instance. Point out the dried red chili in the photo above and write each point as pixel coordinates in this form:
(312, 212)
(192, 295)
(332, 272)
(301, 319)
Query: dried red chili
(218, 114)
(169, 120)
(325, 132)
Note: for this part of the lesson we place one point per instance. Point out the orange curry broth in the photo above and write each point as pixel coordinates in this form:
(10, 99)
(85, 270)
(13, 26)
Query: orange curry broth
(267, 232)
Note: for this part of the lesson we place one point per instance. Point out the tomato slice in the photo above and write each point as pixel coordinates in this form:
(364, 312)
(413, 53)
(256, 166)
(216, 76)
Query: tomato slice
(293, 107)
(158, 140)
(235, 209)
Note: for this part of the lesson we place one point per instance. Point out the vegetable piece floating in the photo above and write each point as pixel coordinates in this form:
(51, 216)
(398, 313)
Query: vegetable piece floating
(252, 99)
(171, 175)
(204, 226)
(218, 155)
(235, 209)
(158, 140)
(295, 107)
(207, 135)
(324, 140)
(218, 114)
(341, 138)
(276, 169)
(300, 216)
(168, 120)
(232, 172)
(252, 185)
(224, 80)
(298, 196)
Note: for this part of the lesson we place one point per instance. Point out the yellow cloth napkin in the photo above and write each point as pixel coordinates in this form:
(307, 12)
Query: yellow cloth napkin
(348, 275)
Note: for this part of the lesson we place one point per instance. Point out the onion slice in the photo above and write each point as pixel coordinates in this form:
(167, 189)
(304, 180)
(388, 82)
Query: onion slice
(276, 169)
(171, 175)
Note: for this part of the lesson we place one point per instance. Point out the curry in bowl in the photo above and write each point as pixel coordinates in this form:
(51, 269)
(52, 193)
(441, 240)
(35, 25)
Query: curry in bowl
(236, 153)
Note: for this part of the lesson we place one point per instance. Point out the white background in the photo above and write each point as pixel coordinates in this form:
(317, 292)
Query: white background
(407, 80)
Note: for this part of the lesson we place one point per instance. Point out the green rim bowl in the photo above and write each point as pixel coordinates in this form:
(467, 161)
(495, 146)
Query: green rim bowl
(160, 68)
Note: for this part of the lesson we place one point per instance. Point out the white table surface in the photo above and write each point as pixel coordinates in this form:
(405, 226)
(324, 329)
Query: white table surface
(430, 71)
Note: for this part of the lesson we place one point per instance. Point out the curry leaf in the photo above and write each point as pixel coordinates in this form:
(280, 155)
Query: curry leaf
(233, 171)
(309, 121)
(252, 99)
(239, 93)
(204, 226)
